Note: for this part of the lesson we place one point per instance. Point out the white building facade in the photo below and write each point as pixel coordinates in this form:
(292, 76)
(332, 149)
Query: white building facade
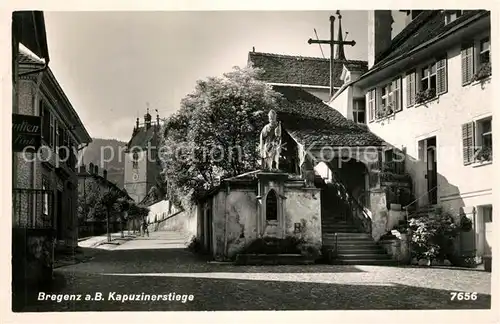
(429, 92)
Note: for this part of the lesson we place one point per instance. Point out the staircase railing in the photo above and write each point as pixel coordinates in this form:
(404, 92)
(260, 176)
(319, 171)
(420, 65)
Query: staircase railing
(358, 215)
(405, 208)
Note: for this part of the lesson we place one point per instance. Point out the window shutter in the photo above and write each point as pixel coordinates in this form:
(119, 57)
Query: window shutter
(442, 76)
(467, 64)
(468, 142)
(371, 104)
(398, 106)
(411, 89)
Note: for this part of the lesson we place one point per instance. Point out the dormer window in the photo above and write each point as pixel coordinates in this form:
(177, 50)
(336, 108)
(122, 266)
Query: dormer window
(452, 15)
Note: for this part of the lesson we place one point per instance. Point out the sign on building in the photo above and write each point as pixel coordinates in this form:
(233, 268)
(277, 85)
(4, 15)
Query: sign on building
(26, 132)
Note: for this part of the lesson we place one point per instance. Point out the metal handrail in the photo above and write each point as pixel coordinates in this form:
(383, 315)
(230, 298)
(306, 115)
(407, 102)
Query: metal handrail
(414, 201)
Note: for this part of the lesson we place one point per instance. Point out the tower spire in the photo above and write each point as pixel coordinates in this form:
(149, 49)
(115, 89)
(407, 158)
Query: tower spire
(340, 55)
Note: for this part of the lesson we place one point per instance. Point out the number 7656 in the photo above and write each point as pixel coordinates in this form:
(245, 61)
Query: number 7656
(463, 296)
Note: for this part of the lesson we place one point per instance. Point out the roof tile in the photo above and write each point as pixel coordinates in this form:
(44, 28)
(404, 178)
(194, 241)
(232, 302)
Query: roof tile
(426, 26)
(310, 120)
(289, 69)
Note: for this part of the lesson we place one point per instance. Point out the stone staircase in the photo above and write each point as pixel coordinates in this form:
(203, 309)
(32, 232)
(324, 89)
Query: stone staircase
(353, 247)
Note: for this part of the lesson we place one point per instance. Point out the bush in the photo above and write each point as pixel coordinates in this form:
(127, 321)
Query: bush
(465, 223)
(272, 245)
(433, 236)
(195, 245)
(310, 250)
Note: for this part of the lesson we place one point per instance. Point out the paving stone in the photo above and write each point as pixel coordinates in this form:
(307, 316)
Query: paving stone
(160, 264)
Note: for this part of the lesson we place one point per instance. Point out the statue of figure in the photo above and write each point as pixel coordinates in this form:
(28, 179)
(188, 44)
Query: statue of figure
(270, 143)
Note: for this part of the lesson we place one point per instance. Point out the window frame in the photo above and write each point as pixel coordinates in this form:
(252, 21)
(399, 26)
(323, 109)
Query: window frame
(372, 104)
(357, 109)
(477, 139)
(484, 51)
(393, 93)
(45, 196)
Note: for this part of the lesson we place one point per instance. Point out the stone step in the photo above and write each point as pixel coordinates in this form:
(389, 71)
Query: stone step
(348, 234)
(346, 246)
(357, 250)
(362, 256)
(350, 239)
(359, 243)
(384, 262)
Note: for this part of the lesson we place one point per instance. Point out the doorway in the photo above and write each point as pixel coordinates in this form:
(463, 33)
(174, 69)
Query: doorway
(484, 230)
(59, 215)
(209, 230)
(431, 173)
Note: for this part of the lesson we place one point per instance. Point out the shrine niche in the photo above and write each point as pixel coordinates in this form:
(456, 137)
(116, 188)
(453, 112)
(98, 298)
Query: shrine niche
(271, 206)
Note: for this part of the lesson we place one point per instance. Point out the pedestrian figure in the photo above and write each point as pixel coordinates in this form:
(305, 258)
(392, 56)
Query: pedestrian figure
(145, 227)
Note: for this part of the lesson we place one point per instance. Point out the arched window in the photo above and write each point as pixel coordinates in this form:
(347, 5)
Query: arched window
(271, 206)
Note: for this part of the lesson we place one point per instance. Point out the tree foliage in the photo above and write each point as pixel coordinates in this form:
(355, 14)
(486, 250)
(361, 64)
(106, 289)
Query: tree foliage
(215, 133)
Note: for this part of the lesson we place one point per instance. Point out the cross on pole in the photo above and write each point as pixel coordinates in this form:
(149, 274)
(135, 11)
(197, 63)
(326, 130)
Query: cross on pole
(332, 42)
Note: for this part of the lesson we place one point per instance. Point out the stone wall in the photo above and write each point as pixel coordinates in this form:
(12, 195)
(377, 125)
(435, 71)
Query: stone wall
(304, 206)
(398, 248)
(184, 222)
(235, 218)
(379, 213)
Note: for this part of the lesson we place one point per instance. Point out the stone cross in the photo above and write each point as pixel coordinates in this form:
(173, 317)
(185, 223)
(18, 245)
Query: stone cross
(332, 42)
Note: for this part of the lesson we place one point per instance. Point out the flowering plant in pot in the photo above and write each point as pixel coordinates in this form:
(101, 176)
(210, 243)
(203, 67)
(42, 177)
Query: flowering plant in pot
(483, 72)
(425, 95)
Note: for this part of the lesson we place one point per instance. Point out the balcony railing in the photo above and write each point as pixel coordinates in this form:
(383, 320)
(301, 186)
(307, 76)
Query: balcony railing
(32, 208)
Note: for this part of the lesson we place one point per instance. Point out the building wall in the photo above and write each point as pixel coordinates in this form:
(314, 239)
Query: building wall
(28, 169)
(323, 94)
(136, 181)
(459, 185)
(303, 206)
(343, 103)
(235, 216)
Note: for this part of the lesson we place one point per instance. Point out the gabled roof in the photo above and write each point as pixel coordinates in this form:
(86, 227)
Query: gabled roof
(310, 121)
(27, 57)
(289, 69)
(428, 25)
(142, 137)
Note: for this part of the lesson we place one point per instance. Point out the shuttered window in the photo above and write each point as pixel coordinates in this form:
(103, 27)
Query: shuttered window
(467, 64)
(468, 142)
(396, 95)
(371, 104)
(442, 77)
(411, 89)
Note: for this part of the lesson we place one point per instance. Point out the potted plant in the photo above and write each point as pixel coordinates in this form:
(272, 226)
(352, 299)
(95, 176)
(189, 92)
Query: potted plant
(484, 154)
(425, 95)
(483, 72)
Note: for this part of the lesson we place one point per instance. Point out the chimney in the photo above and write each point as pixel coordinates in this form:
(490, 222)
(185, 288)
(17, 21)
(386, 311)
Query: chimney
(105, 174)
(147, 119)
(91, 168)
(379, 34)
(410, 15)
(96, 170)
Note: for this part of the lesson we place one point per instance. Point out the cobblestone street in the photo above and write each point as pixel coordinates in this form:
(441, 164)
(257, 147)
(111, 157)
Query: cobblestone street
(160, 265)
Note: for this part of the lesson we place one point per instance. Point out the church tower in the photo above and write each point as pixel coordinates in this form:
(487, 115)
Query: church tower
(142, 170)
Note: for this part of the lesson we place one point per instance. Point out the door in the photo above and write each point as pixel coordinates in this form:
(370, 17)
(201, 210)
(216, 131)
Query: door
(431, 174)
(485, 230)
(59, 215)
(209, 230)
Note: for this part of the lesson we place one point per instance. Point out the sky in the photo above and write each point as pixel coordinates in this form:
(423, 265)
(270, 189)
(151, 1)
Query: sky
(111, 64)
